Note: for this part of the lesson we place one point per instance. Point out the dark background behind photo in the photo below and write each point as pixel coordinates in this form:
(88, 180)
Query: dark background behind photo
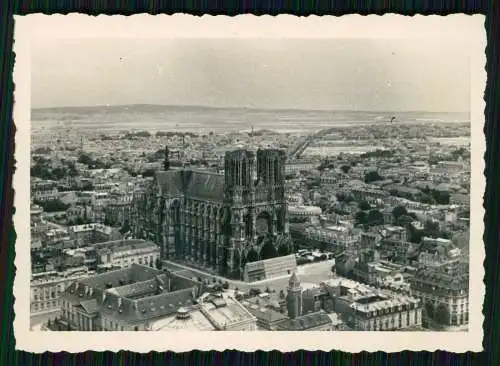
(8, 354)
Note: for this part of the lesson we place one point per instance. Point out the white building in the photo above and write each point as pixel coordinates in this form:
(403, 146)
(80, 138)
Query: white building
(124, 253)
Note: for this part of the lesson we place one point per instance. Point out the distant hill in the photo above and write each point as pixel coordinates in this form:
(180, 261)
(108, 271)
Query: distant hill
(152, 117)
(158, 108)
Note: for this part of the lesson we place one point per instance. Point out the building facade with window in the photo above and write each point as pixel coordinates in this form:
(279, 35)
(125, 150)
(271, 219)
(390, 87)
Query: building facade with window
(129, 299)
(368, 309)
(46, 288)
(124, 253)
(443, 286)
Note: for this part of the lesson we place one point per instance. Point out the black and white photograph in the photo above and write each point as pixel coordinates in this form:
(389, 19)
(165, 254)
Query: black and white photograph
(240, 182)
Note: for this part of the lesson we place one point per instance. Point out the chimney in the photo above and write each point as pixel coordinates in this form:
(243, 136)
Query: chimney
(119, 302)
(91, 291)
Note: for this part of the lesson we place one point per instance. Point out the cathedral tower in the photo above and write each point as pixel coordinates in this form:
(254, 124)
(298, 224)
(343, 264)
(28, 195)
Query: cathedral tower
(255, 198)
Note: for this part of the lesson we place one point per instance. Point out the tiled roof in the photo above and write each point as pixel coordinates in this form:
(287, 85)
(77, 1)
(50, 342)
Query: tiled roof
(196, 184)
(265, 314)
(207, 185)
(76, 293)
(170, 182)
(141, 288)
(305, 322)
(90, 306)
(151, 307)
(134, 273)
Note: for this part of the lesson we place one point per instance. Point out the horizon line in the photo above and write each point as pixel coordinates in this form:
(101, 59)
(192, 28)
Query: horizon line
(199, 106)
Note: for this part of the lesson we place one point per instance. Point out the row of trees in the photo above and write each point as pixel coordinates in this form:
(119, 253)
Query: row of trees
(343, 197)
(433, 196)
(369, 218)
(378, 154)
(125, 227)
(53, 205)
(373, 176)
(42, 169)
(177, 134)
(92, 163)
(426, 195)
(440, 314)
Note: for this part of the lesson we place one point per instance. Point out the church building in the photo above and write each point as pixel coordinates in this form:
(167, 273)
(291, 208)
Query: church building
(218, 221)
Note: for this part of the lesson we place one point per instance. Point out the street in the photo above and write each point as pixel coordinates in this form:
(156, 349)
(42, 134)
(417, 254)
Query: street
(311, 274)
(36, 321)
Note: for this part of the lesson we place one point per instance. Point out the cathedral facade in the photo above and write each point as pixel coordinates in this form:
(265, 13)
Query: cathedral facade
(218, 221)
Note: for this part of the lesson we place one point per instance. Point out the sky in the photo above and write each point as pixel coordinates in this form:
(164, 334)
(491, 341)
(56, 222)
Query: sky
(317, 74)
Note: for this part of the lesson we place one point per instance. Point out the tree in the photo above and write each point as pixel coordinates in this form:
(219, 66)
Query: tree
(85, 159)
(431, 229)
(373, 176)
(125, 228)
(53, 205)
(345, 168)
(283, 250)
(268, 250)
(375, 217)
(252, 256)
(148, 173)
(364, 205)
(415, 235)
(159, 264)
(429, 310)
(342, 197)
(399, 211)
(442, 315)
(361, 217)
(441, 197)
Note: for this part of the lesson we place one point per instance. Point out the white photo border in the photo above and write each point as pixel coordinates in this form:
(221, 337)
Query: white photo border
(470, 28)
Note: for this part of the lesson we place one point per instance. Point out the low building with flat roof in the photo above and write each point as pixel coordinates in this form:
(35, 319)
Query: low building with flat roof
(226, 313)
(269, 268)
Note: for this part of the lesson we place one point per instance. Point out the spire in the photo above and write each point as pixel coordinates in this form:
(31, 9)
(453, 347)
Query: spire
(166, 161)
(294, 281)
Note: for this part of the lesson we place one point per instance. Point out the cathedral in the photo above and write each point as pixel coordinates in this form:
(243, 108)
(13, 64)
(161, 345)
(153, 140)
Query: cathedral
(218, 221)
